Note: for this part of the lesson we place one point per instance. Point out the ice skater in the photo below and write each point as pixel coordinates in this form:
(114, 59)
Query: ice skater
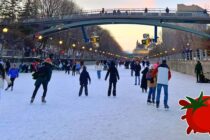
(152, 81)
(114, 76)
(84, 78)
(3, 77)
(98, 68)
(44, 74)
(144, 79)
(163, 76)
(13, 73)
(137, 69)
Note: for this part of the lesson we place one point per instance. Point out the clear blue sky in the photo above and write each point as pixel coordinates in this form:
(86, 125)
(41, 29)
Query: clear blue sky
(127, 35)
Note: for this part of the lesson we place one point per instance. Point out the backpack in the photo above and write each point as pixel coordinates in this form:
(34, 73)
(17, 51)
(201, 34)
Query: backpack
(39, 72)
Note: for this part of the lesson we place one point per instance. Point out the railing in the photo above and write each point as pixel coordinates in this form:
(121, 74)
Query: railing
(122, 12)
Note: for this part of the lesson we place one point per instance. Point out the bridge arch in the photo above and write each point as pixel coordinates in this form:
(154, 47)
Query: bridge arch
(121, 21)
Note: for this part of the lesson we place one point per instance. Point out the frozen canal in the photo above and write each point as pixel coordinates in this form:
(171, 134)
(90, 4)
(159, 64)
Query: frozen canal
(96, 117)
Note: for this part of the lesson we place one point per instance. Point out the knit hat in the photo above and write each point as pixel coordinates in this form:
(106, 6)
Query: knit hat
(48, 60)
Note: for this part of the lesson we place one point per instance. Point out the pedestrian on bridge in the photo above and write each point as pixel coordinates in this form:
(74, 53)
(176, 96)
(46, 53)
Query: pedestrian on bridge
(167, 10)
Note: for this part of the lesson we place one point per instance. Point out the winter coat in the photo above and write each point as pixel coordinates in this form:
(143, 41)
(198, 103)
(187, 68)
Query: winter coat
(114, 75)
(152, 82)
(144, 79)
(78, 66)
(13, 73)
(132, 65)
(163, 74)
(99, 67)
(45, 73)
(2, 81)
(137, 70)
(84, 77)
(198, 68)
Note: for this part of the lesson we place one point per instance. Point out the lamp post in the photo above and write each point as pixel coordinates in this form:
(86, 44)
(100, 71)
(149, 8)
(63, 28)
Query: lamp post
(59, 50)
(4, 31)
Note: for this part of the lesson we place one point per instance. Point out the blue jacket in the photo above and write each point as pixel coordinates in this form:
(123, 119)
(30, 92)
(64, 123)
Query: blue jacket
(13, 73)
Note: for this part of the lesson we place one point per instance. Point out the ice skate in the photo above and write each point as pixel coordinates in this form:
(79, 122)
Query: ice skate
(43, 100)
(32, 100)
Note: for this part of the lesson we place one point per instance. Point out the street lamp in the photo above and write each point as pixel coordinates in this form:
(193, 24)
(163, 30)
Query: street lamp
(40, 37)
(173, 49)
(73, 45)
(5, 30)
(60, 42)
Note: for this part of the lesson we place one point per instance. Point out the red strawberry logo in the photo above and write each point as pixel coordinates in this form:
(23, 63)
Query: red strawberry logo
(197, 114)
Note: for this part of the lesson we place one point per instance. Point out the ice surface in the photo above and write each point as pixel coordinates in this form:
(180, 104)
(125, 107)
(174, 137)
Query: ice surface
(96, 117)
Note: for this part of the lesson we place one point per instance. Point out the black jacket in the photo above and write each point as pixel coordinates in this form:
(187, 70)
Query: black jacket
(137, 70)
(44, 74)
(84, 77)
(132, 65)
(114, 75)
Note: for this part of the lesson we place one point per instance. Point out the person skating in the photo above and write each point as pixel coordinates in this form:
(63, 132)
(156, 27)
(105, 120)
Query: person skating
(163, 76)
(198, 71)
(137, 70)
(114, 75)
(68, 68)
(132, 67)
(2, 77)
(152, 81)
(13, 73)
(74, 69)
(7, 67)
(144, 79)
(84, 77)
(43, 78)
(98, 68)
(78, 67)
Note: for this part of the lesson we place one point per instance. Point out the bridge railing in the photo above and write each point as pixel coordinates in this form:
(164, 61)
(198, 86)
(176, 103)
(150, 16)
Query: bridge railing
(121, 12)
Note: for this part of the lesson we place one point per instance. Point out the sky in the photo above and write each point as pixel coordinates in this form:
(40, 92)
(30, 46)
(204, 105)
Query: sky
(127, 35)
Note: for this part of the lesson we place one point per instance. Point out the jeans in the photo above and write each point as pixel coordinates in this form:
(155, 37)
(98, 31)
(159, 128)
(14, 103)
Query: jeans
(137, 77)
(110, 88)
(99, 74)
(44, 84)
(12, 83)
(165, 87)
(132, 72)
(151, 94)
(81, 89)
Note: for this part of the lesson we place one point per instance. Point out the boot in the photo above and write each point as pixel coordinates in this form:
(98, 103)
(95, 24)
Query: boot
(43, 100)
(157, 104)
(6, 88)
(149, 102)
(114, 93)
(166, 107)
(32, 100)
